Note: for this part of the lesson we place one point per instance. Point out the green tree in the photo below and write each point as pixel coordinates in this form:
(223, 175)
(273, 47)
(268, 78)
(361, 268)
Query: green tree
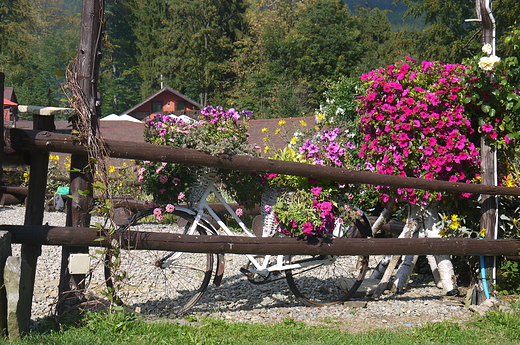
(294, 46)
(188, 43)
(120, 82)
(38, 39)
(448, 37)
(380, 45)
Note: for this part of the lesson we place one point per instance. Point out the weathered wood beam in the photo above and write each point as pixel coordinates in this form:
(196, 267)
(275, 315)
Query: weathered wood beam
(74, 236)
(54, 142)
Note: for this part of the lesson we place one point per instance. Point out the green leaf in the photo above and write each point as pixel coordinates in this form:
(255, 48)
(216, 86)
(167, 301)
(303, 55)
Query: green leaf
(83, 192)
(485, 108)
(99, 185)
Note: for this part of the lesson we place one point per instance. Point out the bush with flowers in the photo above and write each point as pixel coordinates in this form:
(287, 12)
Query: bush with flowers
(216, 131)
(426, 119)
(307, 207)
(414, 124)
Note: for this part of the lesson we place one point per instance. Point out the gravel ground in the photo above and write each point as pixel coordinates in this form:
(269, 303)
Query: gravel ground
(237, 300)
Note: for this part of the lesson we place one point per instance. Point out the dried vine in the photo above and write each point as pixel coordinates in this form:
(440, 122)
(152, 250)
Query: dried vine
(85, 127)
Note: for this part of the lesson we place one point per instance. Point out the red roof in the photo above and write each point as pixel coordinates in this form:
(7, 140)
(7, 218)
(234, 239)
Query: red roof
(8, 103)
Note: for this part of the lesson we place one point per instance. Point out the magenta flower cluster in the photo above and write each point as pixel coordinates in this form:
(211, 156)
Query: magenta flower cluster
(414, 124)
(327, 149)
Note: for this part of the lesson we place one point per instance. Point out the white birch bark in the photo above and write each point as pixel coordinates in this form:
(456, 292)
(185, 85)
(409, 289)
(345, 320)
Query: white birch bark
(411, 226)
(444, 267)
(408, 263)
(383, 218)
(441, 265)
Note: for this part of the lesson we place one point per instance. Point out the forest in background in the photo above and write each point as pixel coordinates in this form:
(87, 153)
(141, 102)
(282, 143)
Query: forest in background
(274, 57)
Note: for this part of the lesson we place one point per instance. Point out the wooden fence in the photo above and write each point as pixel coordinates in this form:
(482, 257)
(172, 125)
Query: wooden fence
(32, 235)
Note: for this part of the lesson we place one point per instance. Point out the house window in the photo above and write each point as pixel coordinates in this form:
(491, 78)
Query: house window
(180, 105)
(157, 106)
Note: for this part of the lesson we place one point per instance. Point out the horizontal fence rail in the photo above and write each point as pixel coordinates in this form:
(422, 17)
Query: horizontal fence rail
(72, 236)
(53, 142)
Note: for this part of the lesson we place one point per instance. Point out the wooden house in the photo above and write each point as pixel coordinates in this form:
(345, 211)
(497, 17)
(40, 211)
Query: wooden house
(166, 101)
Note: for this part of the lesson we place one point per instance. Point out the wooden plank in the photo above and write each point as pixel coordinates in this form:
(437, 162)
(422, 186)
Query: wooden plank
(54, 142)
(46, 111)
(50, 235)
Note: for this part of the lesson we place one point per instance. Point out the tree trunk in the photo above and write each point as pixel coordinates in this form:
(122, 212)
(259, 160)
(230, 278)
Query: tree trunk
(441, 266)
(410, 227)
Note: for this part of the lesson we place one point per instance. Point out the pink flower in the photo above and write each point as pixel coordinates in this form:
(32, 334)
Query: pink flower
(268, 208)
(307, 227)
(181, 196)
(157, 211)
(239, 212)
(316, 190)
(163, 178)
(170, 208)
(487, 127)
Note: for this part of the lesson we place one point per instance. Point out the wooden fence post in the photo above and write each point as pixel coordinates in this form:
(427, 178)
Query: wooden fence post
(489, 203)
(5, 252)
(2, 76)
(71, 287)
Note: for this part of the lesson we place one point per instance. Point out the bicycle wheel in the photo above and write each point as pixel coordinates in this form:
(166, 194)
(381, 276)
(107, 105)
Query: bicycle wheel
(136, 279)
(338, 278)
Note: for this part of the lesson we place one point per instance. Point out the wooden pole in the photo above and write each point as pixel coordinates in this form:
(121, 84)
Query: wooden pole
(34, 210)
(2, 78)
(31, 140)
(71, 287)
(489, 203)
(136, 240)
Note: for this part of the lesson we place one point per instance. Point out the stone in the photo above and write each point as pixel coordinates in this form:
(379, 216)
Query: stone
(17, 278)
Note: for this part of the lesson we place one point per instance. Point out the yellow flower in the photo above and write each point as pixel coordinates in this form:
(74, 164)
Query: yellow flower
(482, 233)
(443, 232)
(266, 139)
(111, 169)
(454, 225)
(320, 117)
(444, 217)
(54, 157)
(294, 140)
(124, 164)
(303, 123)
(265, 130)
(277, 131)
(266, 149)
(509, 182)
(281, 122)
(454, 217)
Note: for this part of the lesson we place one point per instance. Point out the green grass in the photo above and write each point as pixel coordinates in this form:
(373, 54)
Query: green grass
(122, 328)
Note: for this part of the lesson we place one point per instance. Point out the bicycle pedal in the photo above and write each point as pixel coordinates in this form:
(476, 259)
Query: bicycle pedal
(246, 272)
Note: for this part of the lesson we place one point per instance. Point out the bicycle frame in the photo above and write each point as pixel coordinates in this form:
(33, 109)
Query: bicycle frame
(262, 267)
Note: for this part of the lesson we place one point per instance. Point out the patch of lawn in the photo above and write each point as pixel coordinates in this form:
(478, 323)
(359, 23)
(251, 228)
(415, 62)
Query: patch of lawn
(118, 327)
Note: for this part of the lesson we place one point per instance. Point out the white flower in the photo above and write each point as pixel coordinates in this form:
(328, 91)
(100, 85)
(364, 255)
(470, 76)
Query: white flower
(488, 63)
(487, 49)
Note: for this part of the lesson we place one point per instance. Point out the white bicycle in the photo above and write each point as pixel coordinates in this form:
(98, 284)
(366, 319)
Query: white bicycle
(173, 282)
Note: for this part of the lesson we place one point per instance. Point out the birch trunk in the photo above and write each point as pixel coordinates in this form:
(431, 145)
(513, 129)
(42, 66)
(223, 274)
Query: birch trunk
(383, 218)
(405, 269)
(411, 226)
(441, 266)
